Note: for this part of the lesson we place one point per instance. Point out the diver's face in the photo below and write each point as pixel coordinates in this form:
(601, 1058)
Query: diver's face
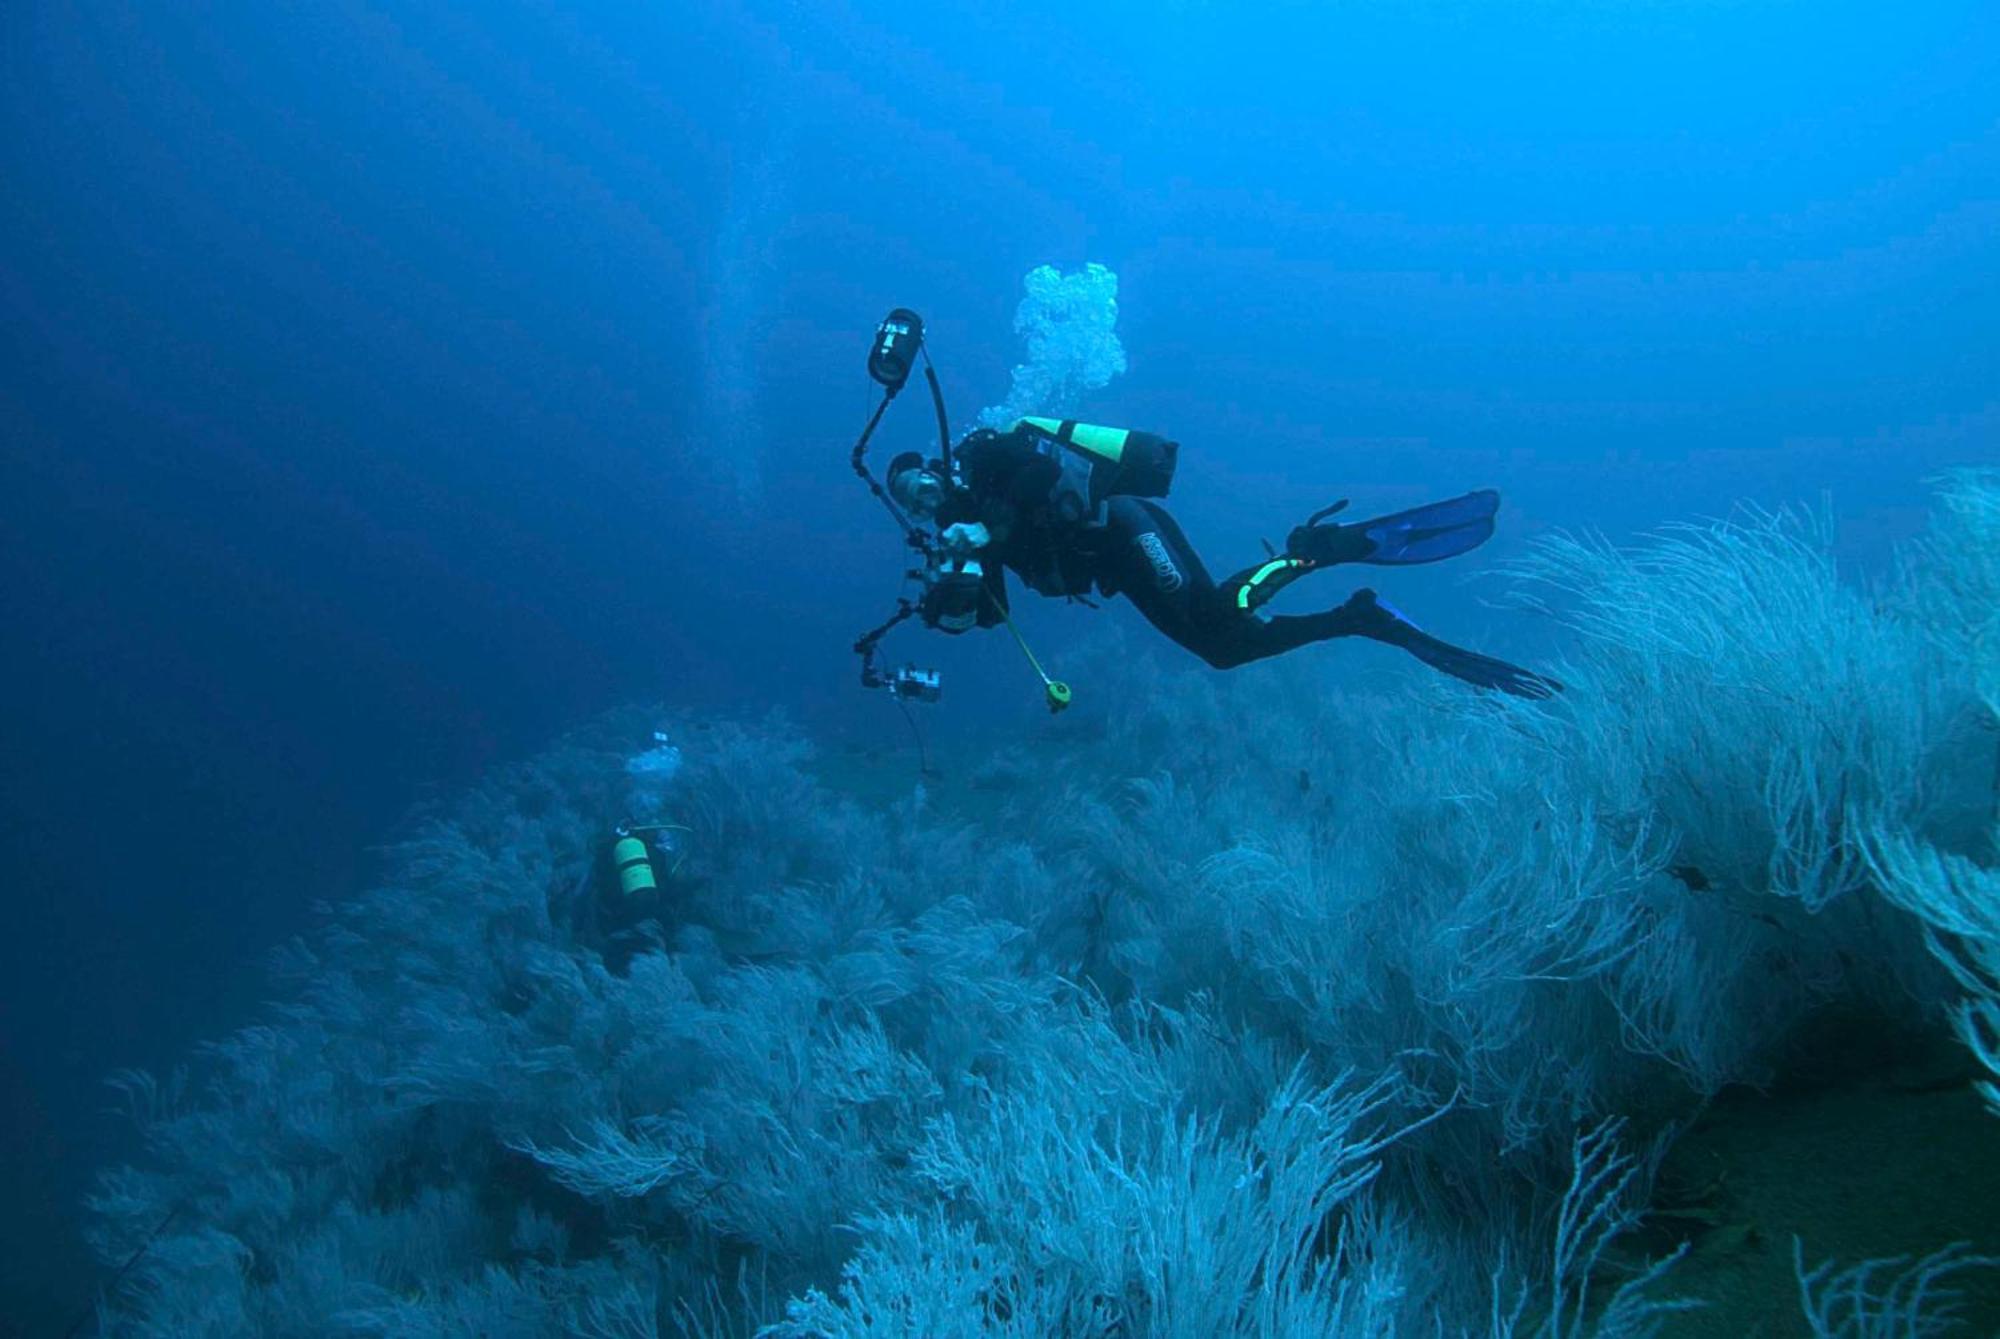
(919, 492)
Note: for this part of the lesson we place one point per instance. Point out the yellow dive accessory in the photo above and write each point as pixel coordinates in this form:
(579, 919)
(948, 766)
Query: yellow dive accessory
(1054, 691)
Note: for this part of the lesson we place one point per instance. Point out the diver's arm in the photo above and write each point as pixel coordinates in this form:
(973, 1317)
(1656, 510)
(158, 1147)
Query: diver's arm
(1008, 469)
(1029, 488)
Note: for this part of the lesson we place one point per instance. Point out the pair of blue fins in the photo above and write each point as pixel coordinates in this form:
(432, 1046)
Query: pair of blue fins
(1425, 534)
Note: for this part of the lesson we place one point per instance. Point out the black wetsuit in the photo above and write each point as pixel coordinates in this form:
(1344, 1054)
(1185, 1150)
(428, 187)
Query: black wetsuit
(1142, 554)
(1046, 523)
(1059, 545)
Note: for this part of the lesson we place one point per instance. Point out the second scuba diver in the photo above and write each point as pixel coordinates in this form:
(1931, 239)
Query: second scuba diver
(1070, 508)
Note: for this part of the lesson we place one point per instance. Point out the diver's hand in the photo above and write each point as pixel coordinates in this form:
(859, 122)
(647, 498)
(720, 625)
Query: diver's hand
(964, 537)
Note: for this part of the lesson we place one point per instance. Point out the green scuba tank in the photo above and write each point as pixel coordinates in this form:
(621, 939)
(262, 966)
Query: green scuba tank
(634, 864)
(1117, 461)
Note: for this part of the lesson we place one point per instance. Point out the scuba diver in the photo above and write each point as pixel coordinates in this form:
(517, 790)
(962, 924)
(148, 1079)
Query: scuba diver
(1070, 508)
(1068, 531)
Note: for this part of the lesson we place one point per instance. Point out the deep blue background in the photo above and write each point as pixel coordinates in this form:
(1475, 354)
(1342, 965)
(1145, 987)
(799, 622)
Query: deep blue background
(386, 387)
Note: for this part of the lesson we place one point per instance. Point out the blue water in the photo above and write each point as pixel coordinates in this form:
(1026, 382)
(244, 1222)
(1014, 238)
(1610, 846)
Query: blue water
(389, 388)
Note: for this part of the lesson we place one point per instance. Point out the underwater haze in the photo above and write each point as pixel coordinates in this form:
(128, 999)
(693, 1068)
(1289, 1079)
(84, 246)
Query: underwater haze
(457, 877)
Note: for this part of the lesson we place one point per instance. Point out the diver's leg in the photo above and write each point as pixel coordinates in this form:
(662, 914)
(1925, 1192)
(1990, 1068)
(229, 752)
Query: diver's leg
(1421, 535)
(1148, 559)
(1366, 616)
(1250, 638)
(1145, 557)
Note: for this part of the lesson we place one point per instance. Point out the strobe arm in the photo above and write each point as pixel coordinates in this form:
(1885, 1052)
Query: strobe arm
(867, 643)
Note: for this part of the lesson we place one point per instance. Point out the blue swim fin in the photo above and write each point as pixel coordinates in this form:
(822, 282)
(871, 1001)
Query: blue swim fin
(1423, 534)
(1440, 530)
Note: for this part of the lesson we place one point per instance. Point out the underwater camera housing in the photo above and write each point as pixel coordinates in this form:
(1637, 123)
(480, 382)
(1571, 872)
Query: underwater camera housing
(910, 684)
(894, 351)
(1120, 461)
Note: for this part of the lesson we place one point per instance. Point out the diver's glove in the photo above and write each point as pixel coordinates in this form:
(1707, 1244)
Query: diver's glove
(964, 537)
(1420, 535)
(1364, 615)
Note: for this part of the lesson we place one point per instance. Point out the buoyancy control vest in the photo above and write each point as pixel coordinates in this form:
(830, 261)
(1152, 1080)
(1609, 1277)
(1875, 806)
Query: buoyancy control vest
(1100, 463)
(1052, 478)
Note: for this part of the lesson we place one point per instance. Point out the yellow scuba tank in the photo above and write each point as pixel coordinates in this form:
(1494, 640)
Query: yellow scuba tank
(633, 858)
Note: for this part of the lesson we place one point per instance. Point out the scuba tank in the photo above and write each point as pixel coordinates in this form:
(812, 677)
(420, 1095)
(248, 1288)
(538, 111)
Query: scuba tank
(635, 866)
(632, 856)
(1105, 462)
